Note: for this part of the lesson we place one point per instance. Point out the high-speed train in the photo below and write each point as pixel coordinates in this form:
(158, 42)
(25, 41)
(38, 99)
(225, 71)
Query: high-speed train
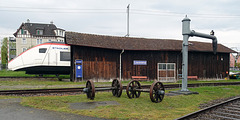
(46, 58)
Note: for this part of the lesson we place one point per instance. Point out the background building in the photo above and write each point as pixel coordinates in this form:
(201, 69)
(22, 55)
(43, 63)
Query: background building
(0, 54)
(11, 48)
(234, 61)
(32, 34)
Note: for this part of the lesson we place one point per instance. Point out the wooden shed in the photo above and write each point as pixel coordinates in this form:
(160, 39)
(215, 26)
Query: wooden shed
(157, 59)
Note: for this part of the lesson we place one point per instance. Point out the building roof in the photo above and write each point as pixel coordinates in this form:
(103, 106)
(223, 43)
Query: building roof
(130, 43)
(48, 29)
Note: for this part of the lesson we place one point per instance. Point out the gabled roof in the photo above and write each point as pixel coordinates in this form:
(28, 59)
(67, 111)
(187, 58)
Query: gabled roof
(48, 29)
(130, 43)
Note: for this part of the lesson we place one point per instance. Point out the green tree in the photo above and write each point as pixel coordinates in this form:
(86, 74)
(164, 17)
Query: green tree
(237, 65)
(4, 52)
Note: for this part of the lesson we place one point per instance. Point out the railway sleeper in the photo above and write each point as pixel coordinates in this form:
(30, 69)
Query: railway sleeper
(227, 114)
(229, 111)
(202, 118)
(221, 117)
(232, 108)
(235, 106)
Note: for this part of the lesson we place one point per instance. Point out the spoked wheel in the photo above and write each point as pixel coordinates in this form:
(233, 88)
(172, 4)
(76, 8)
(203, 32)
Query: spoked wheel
(118, 88)
(91, 89)
(131, 89)
(157, 92)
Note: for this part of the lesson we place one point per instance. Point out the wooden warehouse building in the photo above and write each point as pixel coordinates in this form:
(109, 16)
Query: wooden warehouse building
(156, 59)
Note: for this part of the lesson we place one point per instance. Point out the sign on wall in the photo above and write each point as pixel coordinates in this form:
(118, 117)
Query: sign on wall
(139, 62)
(78, 61)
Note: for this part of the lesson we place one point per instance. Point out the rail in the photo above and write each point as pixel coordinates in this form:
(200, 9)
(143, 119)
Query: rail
(80, 90)
(218, 111)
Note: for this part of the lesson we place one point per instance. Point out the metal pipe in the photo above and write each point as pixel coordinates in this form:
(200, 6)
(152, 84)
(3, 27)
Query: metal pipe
(99, 89)
(185, 32)
(120, 66)
(142, 90)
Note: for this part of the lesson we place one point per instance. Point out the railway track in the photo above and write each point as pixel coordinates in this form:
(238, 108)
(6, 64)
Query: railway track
(227, 110)
(79, 90)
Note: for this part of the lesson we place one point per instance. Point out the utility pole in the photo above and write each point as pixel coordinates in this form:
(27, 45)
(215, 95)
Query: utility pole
(128, 7)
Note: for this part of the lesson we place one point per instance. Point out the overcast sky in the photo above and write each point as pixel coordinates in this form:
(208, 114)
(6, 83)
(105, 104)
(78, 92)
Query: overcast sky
(159, 19)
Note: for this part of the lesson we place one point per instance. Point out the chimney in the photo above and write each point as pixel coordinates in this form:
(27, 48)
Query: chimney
(28, 21)
(51, 22)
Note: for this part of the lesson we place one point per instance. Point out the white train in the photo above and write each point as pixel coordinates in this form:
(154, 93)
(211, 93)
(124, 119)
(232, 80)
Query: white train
(47, 58)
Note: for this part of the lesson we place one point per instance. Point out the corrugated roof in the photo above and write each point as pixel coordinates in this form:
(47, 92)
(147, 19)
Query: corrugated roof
(130, 43)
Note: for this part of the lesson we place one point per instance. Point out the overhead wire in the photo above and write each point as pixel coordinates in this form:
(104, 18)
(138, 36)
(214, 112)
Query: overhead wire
(132, 11)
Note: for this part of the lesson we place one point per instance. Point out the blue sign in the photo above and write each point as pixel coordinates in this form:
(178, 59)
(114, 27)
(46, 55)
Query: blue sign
(79, 61)
(139, 62)
(79, 71)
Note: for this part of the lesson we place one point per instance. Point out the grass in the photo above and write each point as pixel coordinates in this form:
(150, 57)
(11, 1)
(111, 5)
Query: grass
(6, 73)
(235, 71)
(209, 81)
(170, 108)
(35, 82)
(40, 83)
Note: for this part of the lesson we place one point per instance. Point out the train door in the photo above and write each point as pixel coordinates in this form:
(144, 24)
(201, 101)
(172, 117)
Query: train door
(52, 57)
(41, 53)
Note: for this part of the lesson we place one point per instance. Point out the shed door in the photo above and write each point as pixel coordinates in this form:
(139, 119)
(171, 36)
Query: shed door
(140, 70)
(166, 72)
(139, 67)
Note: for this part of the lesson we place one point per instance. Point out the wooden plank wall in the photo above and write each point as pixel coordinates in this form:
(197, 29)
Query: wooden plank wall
(99, 63)
(208, 65)
(152, 58)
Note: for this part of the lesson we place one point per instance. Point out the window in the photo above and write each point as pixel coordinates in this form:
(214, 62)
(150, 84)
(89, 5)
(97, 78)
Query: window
(166, 66)
(42, 50)
(24, 41)
(39, 32)
(23, 32)
(39, 41)
(170, 66)
(24, 49)
(166, 72)
(65, 56)
(60, 32)
(162, 66)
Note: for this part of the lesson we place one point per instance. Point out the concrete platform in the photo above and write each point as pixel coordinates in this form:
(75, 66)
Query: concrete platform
(11, 109)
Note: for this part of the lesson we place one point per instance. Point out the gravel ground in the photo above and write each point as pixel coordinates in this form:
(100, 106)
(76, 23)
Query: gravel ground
(213, 102)
(12, 110)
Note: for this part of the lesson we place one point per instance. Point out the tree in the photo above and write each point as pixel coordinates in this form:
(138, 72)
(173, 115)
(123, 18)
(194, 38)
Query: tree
(237, 65)
(4, 52)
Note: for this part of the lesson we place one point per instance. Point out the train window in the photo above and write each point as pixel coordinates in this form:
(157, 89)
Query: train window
(65, 56)
(42, 50)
